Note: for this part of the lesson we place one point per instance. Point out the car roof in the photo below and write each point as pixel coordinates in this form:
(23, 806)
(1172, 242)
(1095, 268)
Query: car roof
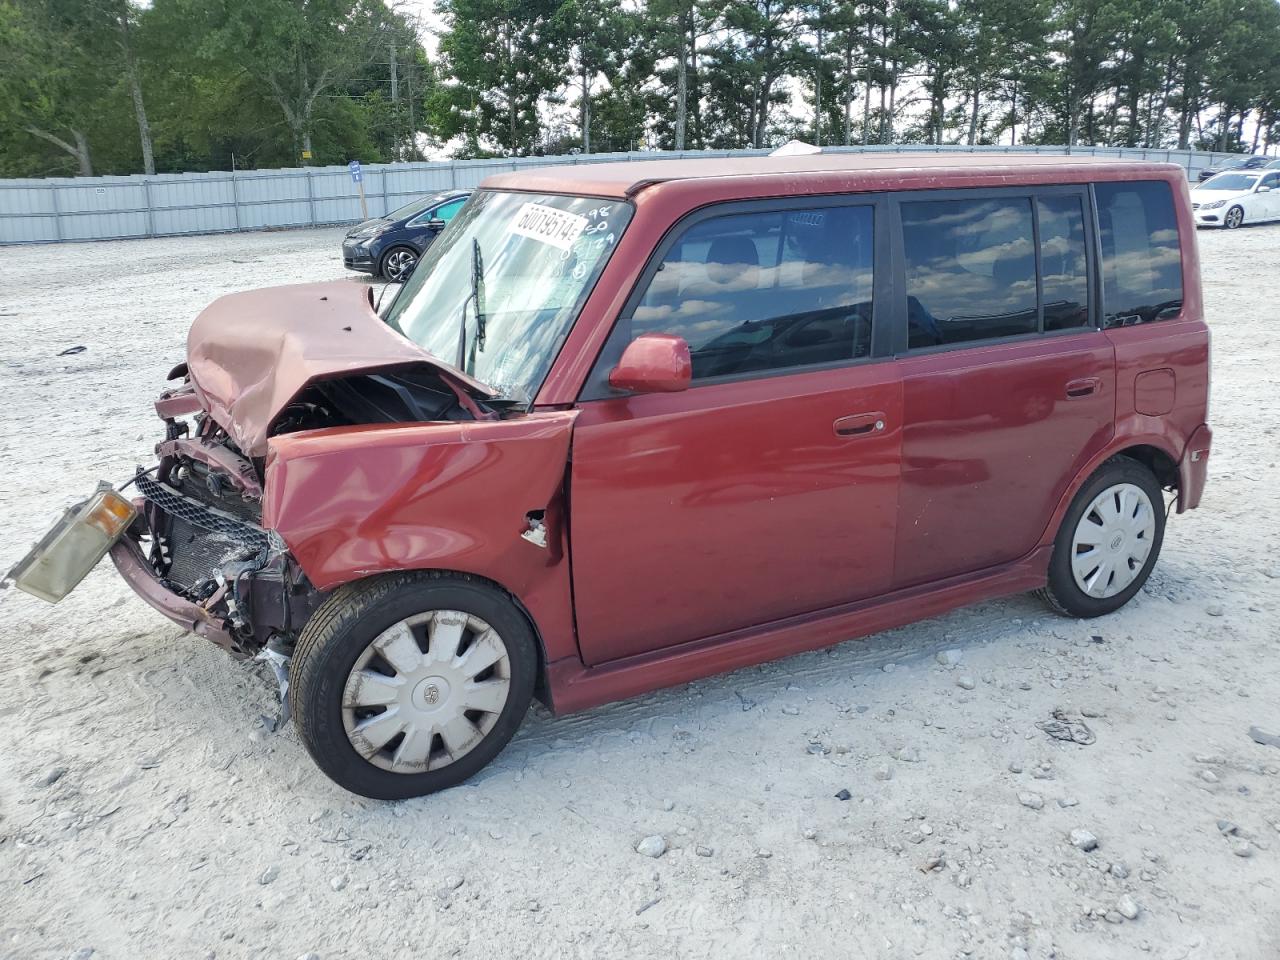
(626, 178)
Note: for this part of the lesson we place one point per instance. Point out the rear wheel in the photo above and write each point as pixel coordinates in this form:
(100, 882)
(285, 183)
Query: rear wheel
(1109, 540)
(408, 684)
(398, 263)
(1234, 217)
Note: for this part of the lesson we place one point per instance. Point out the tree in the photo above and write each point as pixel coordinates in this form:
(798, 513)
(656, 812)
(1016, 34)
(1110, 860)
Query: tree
(760, 46)
(505, 58)
(599, 34)
(52, 83)
(297, 51)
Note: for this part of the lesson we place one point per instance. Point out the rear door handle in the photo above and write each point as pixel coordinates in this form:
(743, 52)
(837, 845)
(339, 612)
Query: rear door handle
(859, 424)
(1084, 387)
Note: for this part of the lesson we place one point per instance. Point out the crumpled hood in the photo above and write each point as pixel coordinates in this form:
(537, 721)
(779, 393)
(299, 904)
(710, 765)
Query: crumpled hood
(250, 354)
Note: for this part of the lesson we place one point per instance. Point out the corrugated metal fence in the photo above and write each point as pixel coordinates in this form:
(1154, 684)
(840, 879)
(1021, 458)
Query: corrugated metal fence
(109, 208)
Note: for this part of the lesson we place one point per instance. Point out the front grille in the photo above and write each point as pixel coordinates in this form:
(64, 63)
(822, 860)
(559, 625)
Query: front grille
(198, 539)
(212, 489)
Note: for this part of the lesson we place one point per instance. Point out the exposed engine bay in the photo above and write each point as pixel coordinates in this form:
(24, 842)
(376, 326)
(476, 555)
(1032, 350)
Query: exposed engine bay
(409, 396)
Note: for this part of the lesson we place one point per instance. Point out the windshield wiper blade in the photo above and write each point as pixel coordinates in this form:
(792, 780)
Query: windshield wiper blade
(477, 291)
(465, 364)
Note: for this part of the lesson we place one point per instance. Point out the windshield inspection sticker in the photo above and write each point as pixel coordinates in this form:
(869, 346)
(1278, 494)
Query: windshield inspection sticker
(548, 225)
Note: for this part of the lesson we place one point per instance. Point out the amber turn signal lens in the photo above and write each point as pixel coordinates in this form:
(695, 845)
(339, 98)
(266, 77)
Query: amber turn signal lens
(110, 512)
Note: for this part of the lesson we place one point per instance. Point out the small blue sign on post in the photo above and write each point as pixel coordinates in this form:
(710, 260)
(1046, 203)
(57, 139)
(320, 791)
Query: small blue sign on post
(356, 177)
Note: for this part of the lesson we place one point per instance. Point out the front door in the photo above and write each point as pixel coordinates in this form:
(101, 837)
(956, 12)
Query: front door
(1008, 384)
(769, 488)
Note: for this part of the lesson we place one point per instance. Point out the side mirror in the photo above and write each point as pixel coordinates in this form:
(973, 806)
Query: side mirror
(1264, 189)
(435, 224)
(654, 363)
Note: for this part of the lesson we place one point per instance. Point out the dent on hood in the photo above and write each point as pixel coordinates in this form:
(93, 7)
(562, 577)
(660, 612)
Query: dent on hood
(252, 358)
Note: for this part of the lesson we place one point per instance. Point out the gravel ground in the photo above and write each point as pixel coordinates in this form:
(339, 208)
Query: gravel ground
(145, 811)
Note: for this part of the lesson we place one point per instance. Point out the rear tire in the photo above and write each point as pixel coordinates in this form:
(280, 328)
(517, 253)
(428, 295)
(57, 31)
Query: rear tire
(1108, 543)
(1234, 218)
(382, 688)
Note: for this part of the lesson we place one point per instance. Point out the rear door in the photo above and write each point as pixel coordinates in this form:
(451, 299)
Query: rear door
(1008, 382)
(768, 489)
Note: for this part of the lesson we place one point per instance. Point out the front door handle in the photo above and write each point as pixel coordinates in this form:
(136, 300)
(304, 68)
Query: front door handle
(1084, 387)
(859, 424)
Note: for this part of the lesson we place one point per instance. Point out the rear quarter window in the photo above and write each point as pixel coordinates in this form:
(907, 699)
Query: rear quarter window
(1141, 252)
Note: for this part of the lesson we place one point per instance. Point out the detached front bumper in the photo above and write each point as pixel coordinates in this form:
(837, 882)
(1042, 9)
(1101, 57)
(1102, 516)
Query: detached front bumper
(220, 576)
(201, 620)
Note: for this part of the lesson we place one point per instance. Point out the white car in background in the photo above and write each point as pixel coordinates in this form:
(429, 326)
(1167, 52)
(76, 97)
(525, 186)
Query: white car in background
(1233, 198)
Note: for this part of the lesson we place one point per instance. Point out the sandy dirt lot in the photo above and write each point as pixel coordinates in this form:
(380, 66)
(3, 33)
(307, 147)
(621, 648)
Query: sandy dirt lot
(146, 811)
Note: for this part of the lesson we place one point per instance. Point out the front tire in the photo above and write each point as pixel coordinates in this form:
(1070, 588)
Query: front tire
(397, 263)
(1234, 218)
(410, 683)
(1109, 541)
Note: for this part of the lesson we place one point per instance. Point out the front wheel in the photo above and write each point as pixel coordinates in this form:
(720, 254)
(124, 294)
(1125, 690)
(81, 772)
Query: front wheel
(1234, 217)
(1108, 542)
(398, 263)
(406, 684)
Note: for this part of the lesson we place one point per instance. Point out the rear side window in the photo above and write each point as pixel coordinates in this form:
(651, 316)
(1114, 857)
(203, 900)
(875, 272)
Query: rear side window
(1141, 255)
(970, 270)
(1064, 272)
(755, 292)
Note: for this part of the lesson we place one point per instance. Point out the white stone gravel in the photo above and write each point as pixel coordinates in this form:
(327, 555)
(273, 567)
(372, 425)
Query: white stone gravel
(175, 800)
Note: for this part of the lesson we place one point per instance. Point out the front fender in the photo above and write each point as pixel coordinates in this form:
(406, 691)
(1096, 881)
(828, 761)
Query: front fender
(353, 502)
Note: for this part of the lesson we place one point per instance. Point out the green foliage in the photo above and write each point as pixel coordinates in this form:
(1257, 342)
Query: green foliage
(504, 59)
(100, 85)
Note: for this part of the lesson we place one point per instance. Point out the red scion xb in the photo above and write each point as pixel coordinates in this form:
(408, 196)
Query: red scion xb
(633, 424)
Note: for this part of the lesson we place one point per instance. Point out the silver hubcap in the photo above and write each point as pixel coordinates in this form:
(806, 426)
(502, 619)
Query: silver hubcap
(426, 691)
(1113, 540)
(398, 262)
(1234, 216)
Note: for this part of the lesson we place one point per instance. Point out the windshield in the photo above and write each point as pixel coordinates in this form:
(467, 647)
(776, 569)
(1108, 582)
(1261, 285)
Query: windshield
(539, 255)
(1230, 181)
(414, 206)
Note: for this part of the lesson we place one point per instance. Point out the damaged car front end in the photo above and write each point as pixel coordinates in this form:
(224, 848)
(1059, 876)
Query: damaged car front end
(372, 504)
(196, 550)
(189, 538)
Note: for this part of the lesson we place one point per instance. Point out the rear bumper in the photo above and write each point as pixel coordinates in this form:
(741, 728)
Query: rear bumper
(1193, 471)
(133, 566)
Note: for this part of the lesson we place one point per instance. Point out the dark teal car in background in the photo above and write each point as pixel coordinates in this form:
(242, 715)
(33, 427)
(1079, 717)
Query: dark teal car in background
(390, 246)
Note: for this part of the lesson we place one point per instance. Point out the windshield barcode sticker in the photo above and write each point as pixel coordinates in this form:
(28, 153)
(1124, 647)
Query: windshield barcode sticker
(548, 225)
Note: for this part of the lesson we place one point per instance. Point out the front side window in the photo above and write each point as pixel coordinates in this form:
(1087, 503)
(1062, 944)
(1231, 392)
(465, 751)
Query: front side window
(1141, 253)
(534, 258)
(447, 211)
(970, 270)
(754, 292)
